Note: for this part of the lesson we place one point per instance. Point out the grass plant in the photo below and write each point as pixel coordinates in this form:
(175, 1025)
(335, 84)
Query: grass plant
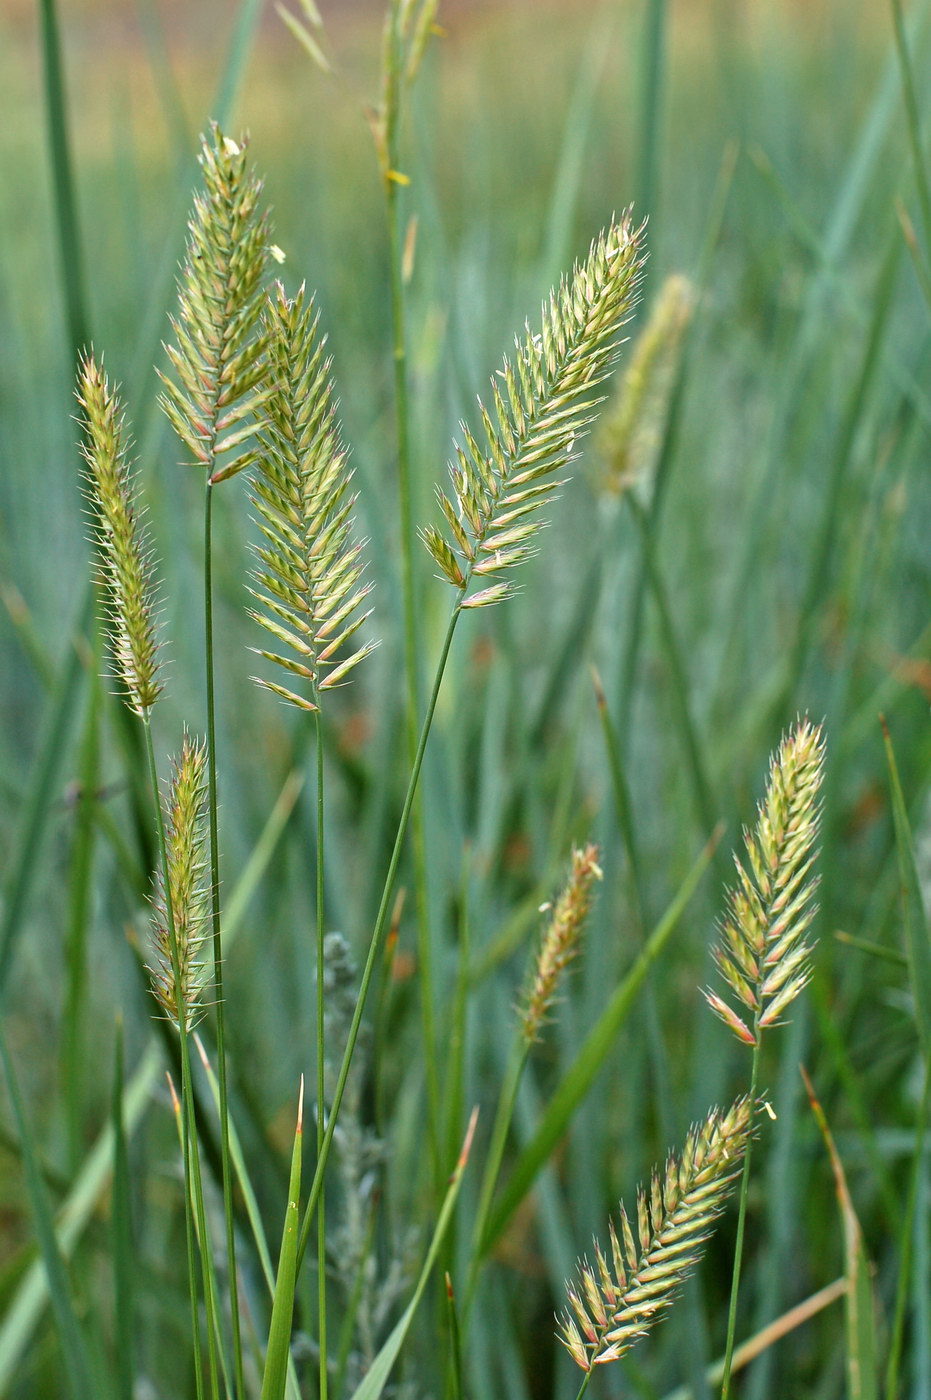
(339, 884)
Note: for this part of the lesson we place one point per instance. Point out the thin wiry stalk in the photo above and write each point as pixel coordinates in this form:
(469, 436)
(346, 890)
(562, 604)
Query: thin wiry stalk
(619, 1298)
(188, 1156)
(213, 397)
(309, 584)
(762, 952)
(543, 405)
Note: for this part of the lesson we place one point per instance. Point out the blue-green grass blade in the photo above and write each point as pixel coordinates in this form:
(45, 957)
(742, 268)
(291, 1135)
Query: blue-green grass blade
(73, 1346)
(23, 1314)
(42, 791)
(377, 1376)
(914, 918)
(279, 1332)
(862, 1345)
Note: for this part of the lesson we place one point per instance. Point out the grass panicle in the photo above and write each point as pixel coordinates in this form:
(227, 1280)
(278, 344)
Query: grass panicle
(616, 1301)
(541, 403)
(310, 580)
(188, 889)
(560, 942)
(631, 434)
(124, 555)
(214, 396)
(763, 953)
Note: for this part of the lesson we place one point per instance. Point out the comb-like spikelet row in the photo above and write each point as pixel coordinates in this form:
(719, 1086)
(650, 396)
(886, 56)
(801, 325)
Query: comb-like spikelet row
(218, 387)
(560, 941)
(310, 577)
(189, 891)
(762, 951)
(123, 552)
(617, 1301)
(540, 405)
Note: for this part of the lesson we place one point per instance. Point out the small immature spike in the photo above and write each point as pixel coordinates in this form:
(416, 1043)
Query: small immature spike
(561, 940)
(541, 407)
(187, 915)
(763, 953)
(123, 551)
(676, 1219)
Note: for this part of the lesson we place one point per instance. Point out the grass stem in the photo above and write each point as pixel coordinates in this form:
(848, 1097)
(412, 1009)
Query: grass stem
(741, 1223)
(321, 1052)
(381, 923)
(213, 817)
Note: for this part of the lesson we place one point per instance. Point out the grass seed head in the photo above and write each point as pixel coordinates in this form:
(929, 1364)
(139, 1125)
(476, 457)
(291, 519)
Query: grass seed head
(676, 1215)
(180, 925)
(124, 558)
(763, 952)
(541, 403)
(560, 942)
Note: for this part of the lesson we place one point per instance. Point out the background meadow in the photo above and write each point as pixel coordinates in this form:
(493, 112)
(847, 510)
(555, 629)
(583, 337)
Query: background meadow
(779, 565)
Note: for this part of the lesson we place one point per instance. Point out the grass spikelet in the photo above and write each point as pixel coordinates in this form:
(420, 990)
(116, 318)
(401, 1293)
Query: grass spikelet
(124, 565)
(560, 942)
(309, 582)
(217, 389)
(189, 891)
(763, 953)
(630, 437)
(616, 1301)
(540, 405)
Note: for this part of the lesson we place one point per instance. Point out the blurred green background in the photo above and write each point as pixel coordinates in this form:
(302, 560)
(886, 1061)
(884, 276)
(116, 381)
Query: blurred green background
(768, 145)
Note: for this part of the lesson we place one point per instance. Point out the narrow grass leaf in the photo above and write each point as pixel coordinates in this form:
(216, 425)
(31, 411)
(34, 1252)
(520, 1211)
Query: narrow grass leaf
(377, 1377)
(862, 1348)
(279, 1335)
(917, 935)
(22, 1316)
(73, 1349)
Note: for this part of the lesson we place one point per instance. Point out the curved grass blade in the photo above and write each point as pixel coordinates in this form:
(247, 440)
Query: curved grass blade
(862, 1351)
(279, 1332)
(377, 1377)
(73, 1349)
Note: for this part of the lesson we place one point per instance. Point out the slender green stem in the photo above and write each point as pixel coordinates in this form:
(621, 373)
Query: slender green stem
(499, 1135)
(378, 932)
(394, 59)
(185, 1058)
(585, 1384)
(321, 1047)
(225, 1156)
(741, 1220)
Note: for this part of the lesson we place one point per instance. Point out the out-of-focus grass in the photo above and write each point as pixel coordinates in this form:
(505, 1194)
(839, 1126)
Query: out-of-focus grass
(799, 453)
